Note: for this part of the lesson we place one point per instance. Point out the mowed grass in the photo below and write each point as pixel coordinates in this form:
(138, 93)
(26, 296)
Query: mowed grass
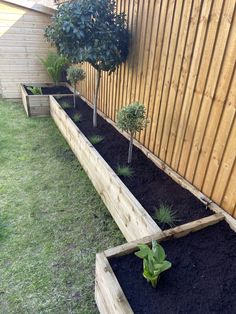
(52, 221)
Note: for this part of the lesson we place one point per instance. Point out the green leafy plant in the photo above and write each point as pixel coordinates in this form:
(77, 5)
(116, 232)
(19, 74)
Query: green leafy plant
(124, 171)
(96, 139)
(35, 90)
(54, 65)
(90, 31)
(132, 119)
(77, 117)
(74, 75)
(154, 261)
(165, 215)
(65, 105)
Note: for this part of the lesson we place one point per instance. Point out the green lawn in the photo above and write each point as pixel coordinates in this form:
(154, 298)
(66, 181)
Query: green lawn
(52, 222)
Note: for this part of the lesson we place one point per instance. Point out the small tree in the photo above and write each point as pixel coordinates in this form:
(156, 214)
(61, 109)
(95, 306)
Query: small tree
(90, 31)
(132, 119)
(74, 75)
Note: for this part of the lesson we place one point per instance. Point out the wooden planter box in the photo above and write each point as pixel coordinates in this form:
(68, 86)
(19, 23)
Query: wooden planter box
(130, 216)
(38, 105)
(109, 295)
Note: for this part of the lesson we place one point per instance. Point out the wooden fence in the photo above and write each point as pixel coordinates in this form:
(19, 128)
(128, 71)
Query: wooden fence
(181, 65)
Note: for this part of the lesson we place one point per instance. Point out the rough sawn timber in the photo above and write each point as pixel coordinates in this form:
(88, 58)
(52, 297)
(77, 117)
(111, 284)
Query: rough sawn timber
(38, 105)
(109, 295)
(132, 219)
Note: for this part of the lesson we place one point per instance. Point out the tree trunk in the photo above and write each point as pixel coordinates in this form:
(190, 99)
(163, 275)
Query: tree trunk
(74, 95)
(130, 148)
(96, 98)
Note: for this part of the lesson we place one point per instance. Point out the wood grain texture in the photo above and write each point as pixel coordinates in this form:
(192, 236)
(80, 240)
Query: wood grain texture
(132, 219)
(22, 42)
(182, 67)
(109, 295)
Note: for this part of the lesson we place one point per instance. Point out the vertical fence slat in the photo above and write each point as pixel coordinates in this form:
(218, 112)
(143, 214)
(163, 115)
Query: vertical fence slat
(181, 65)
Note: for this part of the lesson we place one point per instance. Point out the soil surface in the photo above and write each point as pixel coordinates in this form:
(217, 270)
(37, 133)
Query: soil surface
(53, 90)
(202, 279)
(150, 185)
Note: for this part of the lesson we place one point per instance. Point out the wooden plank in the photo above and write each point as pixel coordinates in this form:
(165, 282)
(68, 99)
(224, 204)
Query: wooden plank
(215, 114)
(18, 45)
(167, 79)
(226, 168)
(183, 102)
(229, 198)
(189, 22)
(130, 216)
(114, 299)
(24, 96)
(156, 68)
(109, 295)
(162, 71)
(200, 85)
(223, 132)
(176, 232)
(32, 6)
(214, 73)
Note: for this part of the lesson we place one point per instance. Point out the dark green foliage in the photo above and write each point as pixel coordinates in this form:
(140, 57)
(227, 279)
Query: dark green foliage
(96, 139)
(77, 117)
(132, 119)
(74, 75)
(124, 171)
(154, 261)
(65, 105)
(35, 90)
(165, 215)
(91, 31)
(54, 65)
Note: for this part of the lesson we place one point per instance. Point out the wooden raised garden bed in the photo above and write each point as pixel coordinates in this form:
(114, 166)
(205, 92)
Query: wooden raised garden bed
(130, 216)
(38, 105)
(130, 208)
(202, 278)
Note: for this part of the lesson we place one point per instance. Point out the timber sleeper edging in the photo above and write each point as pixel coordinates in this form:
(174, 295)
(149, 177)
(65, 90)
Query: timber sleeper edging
(38, 105)
(130, 216)
(109, 294)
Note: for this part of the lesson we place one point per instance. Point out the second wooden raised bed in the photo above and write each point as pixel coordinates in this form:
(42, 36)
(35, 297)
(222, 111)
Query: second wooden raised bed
(38, 105)
(201, 280)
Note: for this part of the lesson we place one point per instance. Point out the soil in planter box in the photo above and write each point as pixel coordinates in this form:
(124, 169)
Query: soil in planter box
(150, 185)
(202, 279)
(52, 90)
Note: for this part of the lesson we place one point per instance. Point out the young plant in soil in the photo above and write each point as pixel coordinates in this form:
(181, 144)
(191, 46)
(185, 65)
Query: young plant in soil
(77, 117)
(74, 75)
(154, 261)
(124, 171)
(165, 215)
(35, 90)
(90, 31)
(65, 105)
(54, 65)
(96, 139)
(132, 119)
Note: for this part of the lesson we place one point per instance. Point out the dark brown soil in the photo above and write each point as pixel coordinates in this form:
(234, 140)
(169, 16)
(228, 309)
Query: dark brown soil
(53, 90)
(202, 279)
(149, 184)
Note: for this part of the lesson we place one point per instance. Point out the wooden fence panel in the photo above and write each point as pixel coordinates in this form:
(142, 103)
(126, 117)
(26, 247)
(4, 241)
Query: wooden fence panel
(181, 65)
